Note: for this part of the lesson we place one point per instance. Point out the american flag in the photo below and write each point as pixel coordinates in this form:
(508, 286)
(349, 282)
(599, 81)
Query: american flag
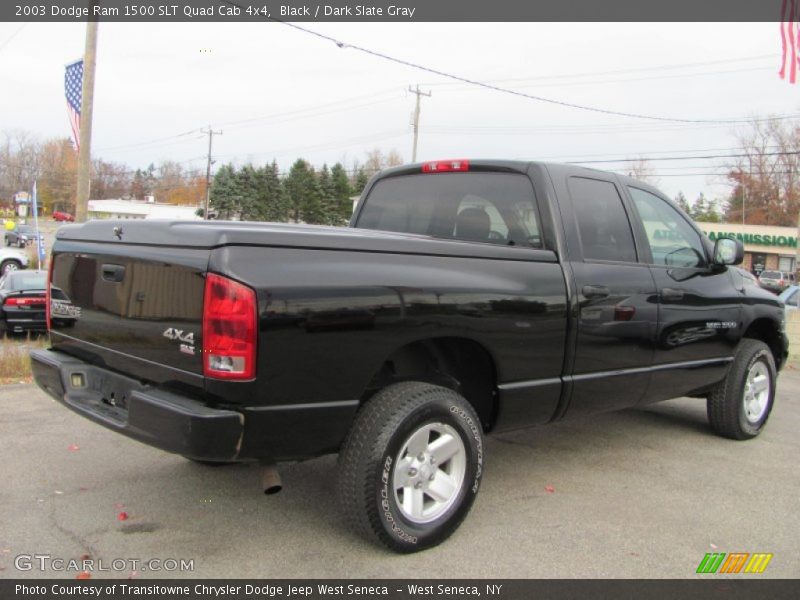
(73, 88)
(790, 40)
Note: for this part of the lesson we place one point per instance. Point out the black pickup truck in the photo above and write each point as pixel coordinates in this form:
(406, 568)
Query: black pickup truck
(466, 297)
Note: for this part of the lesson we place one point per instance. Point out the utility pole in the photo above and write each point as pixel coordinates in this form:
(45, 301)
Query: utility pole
(87, 105)
(211, 134)
(416, 119)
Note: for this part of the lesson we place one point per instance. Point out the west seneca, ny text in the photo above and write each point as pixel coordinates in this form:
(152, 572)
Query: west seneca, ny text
(449, 590)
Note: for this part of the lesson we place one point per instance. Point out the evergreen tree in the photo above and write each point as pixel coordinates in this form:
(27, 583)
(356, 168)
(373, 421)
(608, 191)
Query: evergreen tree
(705, 210)
(305, 194)
(225, 196)
(273, 204)
(360, 181)
(681, 201)
(329, 201)
(248, 182)
(342, 192)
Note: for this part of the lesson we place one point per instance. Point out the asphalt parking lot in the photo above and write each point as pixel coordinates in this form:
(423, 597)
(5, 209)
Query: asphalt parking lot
(637, 494)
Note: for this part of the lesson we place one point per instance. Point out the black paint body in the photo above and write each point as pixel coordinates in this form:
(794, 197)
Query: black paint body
(334, 305)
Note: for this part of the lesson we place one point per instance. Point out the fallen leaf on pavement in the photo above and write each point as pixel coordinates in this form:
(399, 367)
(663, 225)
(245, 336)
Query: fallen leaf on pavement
(73, 447)
(549, 489)
(123, 516)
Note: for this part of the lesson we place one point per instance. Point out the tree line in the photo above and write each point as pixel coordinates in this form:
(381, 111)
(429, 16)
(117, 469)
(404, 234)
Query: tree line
(248, 192)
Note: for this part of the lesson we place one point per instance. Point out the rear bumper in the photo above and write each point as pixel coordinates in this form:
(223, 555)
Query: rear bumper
(161, 419)
(186, 426)
(18, 321)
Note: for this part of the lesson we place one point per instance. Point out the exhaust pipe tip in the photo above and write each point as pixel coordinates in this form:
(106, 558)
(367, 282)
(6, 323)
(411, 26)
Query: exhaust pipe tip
(270, 479)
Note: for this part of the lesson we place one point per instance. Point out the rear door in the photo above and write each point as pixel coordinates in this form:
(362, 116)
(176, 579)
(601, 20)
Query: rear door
(699, 305)
(616, 309)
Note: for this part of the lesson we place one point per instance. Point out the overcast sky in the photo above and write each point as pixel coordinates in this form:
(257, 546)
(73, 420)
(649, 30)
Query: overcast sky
(277, 92)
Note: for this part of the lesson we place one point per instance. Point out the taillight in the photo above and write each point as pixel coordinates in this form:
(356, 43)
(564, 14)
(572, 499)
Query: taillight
(47, 295)
(23, 301)
(229, 329)
(445, 166)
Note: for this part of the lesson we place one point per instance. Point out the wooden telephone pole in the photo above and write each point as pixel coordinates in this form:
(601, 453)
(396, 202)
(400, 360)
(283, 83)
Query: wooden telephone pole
(211, 134)
(416, 119)
(87, 108)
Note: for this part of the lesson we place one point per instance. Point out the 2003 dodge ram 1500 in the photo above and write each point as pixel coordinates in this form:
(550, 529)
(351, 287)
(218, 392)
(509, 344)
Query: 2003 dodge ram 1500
(465, 297)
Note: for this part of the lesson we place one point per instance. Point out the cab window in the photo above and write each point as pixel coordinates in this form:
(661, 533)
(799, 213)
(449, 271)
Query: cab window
(492, 208)
(673, 242)
(603, 224)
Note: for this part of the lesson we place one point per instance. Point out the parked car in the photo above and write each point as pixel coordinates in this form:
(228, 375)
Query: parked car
(63, 216)
(775, 281)
(21, 235)
(12, 260)
(790, 298)
(466, 297)
(22, 301)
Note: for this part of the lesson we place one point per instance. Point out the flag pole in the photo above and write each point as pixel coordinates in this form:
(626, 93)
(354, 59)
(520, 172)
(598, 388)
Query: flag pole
(87, 105)
(39, 244)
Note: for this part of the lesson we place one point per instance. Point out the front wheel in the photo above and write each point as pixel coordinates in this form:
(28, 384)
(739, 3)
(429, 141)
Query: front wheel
(739, 406)
(411, 466)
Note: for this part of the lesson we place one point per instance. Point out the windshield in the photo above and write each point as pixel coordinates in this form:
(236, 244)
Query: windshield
(34, 280)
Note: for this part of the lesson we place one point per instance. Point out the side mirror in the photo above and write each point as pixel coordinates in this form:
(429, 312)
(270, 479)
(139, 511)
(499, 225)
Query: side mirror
(728, 251)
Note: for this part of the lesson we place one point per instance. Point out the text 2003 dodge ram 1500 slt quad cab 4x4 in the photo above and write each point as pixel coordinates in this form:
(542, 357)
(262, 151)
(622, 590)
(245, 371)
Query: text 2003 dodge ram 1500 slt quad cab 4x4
(465, 297)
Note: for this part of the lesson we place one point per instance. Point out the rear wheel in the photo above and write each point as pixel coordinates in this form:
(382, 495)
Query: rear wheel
(411, 466)
(739, 406)
(7, 266)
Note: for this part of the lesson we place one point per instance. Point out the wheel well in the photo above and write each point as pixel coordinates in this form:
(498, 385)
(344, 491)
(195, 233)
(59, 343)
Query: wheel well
(457, 363)
(767, 331)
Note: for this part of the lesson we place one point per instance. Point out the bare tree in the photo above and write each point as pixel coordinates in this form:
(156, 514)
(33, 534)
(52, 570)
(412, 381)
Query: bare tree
(642, 170)
(765, 180)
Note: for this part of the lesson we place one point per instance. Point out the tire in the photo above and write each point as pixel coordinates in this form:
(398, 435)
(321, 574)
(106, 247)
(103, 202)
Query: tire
(399, 425)
(7, 266)
(739, 406)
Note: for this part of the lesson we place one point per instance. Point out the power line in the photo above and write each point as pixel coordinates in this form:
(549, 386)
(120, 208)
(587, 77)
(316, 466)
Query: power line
(12, 36)
(662, 158)
(496, 88)
(621, 71)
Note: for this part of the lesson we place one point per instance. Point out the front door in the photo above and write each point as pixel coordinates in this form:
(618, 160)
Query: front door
(698, 305)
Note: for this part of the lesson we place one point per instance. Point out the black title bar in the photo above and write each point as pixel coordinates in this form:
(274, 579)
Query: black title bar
(406, 11)
(710, 588)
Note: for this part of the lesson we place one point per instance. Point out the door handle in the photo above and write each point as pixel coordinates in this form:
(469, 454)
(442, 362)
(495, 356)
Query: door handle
(671, 294)
(113, 273)
(595, 291)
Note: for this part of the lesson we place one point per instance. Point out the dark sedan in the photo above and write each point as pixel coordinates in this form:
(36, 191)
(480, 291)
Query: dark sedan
(21, 235)
(22, 301)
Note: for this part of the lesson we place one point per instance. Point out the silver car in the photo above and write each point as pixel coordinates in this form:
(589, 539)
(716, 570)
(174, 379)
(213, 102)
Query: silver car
(791, 298)
(12, 260)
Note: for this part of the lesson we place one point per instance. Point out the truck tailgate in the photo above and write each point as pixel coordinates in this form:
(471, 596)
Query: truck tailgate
(132, 310)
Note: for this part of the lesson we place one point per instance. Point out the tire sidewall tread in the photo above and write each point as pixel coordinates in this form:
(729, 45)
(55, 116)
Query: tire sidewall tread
(366, 463)
(725, 406)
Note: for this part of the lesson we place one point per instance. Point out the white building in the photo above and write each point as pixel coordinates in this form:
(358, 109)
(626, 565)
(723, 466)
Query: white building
(138, 209)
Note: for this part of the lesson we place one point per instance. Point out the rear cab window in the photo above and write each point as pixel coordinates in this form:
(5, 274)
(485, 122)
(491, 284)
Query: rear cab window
(485, 207)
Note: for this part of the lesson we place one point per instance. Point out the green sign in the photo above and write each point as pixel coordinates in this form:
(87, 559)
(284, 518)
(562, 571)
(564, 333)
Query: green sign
(757, 239)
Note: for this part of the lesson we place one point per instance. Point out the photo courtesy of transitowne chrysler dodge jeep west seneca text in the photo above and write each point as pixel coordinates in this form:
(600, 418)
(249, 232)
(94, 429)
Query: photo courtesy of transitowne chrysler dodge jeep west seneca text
(465, 297)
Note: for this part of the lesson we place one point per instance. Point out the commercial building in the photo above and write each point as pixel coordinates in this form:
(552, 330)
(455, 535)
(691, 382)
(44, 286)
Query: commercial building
(765, 247)
(138, 209)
